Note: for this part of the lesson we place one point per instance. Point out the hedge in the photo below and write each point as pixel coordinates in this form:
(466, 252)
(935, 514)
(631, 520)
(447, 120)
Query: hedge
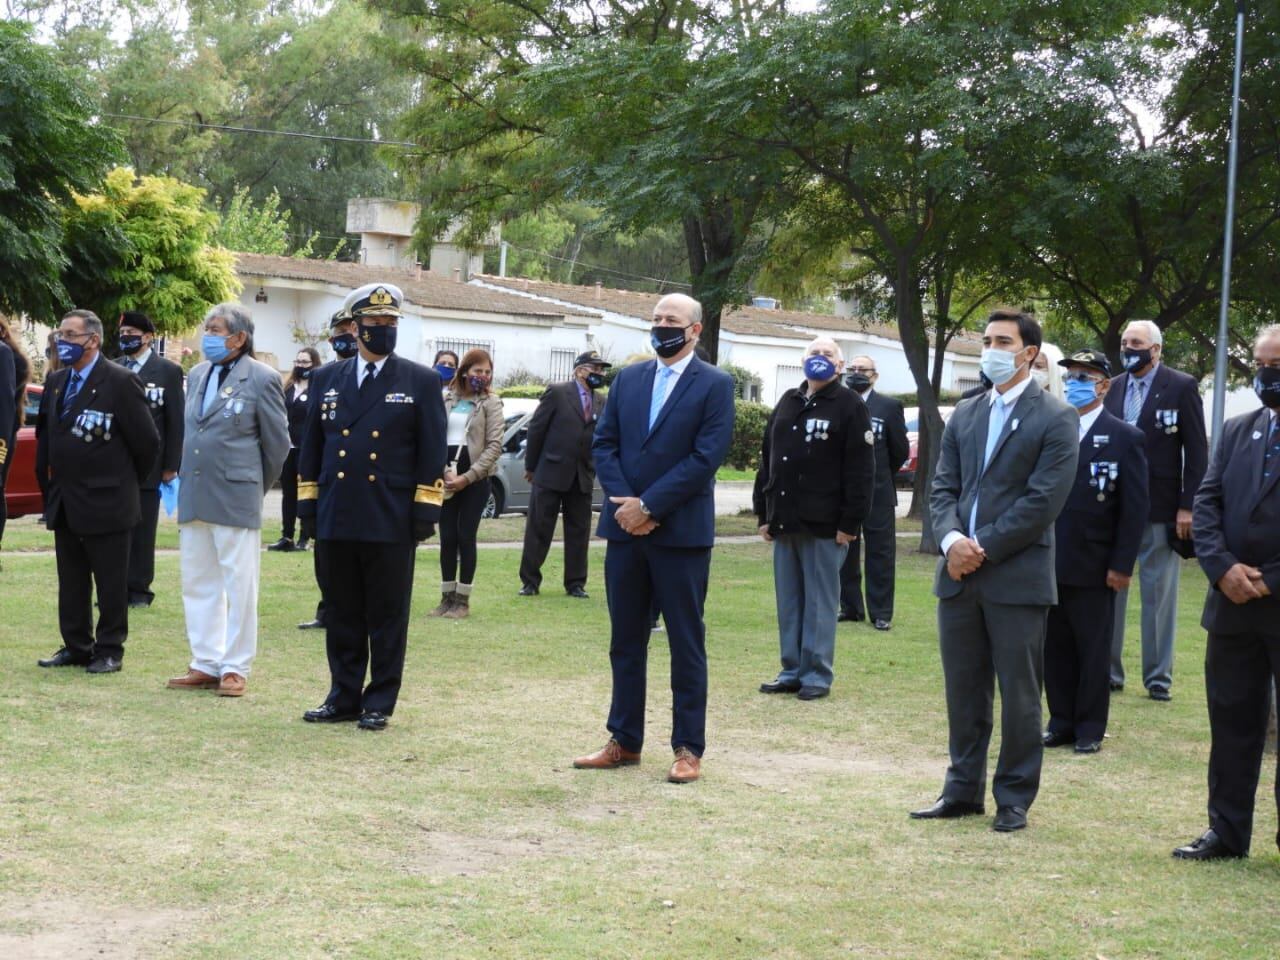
(749, 422)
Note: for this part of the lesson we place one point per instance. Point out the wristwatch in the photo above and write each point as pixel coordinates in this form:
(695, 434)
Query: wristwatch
(645, 510)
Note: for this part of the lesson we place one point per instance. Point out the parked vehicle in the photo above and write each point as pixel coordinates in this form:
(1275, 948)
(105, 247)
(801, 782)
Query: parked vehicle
(22, 494)
(508, 489)
(906, 476)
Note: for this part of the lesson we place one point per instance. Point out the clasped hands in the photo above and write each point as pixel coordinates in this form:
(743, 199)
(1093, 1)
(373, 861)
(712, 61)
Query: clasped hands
(964, 557)
(1243, 583)
(454, 482)
(631, 518)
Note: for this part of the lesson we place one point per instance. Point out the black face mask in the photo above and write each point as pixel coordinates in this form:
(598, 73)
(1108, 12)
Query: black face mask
(380, 340)
(1266, 384)
(595, 380)
(859, 382)
(302, 373)
(1135, 360)
(130, 343)
(344, 345)
(668, 341)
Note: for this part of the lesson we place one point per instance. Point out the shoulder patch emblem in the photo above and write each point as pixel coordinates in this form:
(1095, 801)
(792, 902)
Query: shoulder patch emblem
(870, 438)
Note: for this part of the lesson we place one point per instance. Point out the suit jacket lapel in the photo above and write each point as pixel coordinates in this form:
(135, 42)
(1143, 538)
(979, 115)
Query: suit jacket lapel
(88, 390)
(1022, 409)
(1257, 451)
(640, 416)
(978, 445)
(201, 412)
(376, 391)
(673, 397)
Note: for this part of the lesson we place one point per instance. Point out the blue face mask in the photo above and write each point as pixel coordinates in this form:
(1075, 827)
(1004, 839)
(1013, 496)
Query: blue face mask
(1000, 366)
(819, 368)
(69, 352)
(214, 347)
(446, 372)
(130, 343)
(1081, 393)
(344, 345)
(1267, 386)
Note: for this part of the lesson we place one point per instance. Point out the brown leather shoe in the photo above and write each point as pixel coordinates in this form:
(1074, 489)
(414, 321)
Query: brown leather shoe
(607, 757)
(687, 768)
(232, 685)
(193, 680)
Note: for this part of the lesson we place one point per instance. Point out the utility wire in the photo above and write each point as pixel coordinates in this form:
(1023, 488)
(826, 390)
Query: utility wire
(270, 133)
(590, 266)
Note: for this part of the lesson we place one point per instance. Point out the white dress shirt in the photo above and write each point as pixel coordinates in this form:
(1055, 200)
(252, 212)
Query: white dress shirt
(361, 373)
(1087, 420)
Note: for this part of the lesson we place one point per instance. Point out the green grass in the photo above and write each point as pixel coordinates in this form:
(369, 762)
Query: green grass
(729, 474)
(143, 822)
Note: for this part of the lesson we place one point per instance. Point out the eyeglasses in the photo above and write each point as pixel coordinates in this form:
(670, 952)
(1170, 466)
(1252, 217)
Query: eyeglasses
(1081, 378)
(869, 371)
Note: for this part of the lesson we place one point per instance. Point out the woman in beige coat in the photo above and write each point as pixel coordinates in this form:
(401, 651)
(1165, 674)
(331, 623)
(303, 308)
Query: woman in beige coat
(475, 442)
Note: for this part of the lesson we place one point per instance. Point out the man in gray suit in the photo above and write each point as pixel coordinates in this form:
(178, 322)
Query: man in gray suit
(235, 443)
(1007, 466)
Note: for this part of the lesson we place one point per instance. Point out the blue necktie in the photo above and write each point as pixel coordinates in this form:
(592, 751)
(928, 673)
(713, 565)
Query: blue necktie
(659, 393)
(73, 390)
(1133, 402)
(1272, 456)
(995, 424)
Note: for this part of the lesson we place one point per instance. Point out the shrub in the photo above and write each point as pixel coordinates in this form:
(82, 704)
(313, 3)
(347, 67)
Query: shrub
(522, 391)
(750, 420)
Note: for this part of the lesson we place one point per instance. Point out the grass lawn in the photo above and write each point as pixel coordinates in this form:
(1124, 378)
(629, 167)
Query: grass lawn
(138, 822)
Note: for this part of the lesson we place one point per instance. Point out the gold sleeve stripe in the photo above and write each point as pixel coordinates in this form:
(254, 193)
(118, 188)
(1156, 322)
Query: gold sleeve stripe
(4, 452)
(432, 494)
(308, 490)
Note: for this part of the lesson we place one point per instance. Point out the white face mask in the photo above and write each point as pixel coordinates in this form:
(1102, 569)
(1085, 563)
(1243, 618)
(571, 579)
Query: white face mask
(1041, 377)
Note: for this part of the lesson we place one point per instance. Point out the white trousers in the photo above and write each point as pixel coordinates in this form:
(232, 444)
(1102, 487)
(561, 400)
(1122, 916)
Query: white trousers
(220, 596)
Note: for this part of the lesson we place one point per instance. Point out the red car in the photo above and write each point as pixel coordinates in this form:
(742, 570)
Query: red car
(21, 493)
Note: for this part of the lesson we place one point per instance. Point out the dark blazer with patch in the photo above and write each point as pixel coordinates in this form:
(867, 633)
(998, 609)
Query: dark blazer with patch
(162, 386)
(672, 467)
(1176, 458)
(295, 409)
(8, 404)
(91, 485)
(889, 424)
(369, 466)
(1237, 520)
(1023, 489)
(558, 451)
(1094, 536)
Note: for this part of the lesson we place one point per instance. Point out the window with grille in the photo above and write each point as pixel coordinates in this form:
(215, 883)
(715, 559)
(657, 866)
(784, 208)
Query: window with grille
(789, 375)
(966, 383)
(561, 364)
(460, 347)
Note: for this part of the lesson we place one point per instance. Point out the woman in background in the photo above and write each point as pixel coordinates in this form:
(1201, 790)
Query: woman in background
(1046, 371)
(296, 393)
(9, 431)
(475, 442)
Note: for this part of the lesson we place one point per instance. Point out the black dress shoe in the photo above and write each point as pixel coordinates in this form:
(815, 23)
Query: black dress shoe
(812, 693)
(847, 617)
(328, 713)
(104, 665)
(311, 625)
(1058, 739)
(64, 658)
(1159, 693)
(528, 590)
(373, 720)
(1116, 687)
(1088, 746)
(284, 545)
(779, 686)
(578, 593)
(1207, 846)
(946, 809)
(1009, 819)
(882, 625)
(139, 601)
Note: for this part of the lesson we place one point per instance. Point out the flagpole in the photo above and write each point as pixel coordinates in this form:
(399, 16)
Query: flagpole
(1220, 358)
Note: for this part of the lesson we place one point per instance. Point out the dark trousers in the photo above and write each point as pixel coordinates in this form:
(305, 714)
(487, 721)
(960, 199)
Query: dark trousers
(87, 563)
(982, 642)
(545, 506)
(1077, 661)
(879, 539)
(142, 548)
(1239, 669)
(635, 573)
(321, 584)
(459, 524)
(289, 494)
(366, 620)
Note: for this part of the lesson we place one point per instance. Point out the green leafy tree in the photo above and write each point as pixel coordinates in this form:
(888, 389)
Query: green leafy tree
(49, 149)
(145, 244)
(249, 227)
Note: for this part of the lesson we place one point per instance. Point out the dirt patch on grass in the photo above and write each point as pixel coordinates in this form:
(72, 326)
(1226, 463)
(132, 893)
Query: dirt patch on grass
(782, 769)
(448, 853)
(58, 930)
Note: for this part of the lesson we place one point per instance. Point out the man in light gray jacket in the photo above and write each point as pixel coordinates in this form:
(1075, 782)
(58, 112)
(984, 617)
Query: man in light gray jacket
(1006, 469)
(236, 441)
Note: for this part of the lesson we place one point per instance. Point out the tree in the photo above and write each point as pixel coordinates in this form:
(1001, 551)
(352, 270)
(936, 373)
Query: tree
(50, 149)
(144, 244)
(247, 227)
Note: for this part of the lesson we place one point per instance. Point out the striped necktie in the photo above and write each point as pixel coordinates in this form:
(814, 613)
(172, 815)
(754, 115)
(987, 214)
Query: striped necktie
(1271, 459)
(73, 390)
(1133, 401)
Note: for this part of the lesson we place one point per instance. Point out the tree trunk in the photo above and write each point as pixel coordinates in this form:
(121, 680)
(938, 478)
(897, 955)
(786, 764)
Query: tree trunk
(712, 254)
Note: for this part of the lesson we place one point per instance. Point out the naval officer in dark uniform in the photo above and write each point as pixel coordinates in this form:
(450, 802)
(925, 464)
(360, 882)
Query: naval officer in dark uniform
(162, 381)
(1097, 536)
(371, 474)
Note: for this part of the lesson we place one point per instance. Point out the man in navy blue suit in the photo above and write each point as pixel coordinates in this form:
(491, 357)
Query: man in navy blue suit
(664, 433)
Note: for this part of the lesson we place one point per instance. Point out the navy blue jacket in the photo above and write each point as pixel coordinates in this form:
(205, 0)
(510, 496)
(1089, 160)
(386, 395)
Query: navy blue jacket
(672, 468)
(1096, 535)
(370, 466)
(1237, 520)
(1172, 419)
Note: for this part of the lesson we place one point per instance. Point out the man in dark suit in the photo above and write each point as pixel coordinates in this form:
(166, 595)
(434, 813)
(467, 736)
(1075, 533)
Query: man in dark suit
(557, 460)
(1166, 406)
(665, 431)
(879, 530)
(1237, 534)
(1006, 468)
(371, 474)
(95, 443)
(162, 383)
(1097, 535)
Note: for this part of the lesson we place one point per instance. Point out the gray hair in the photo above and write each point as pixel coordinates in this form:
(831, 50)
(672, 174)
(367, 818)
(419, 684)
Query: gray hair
(90, 319)
(825, 341)
(1266, 333)
(1150, 328)
(238, 320)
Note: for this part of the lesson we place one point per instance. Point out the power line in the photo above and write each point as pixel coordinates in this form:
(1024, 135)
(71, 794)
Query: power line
(270, 133)
(590, 266)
